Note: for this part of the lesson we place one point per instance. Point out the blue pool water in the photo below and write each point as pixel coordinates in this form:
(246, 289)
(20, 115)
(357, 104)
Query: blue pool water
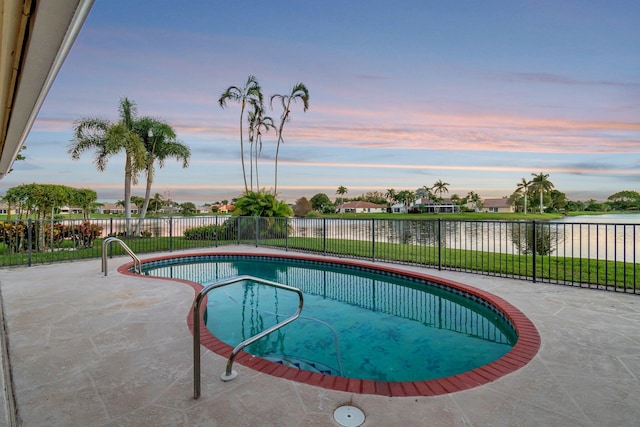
(356, 322)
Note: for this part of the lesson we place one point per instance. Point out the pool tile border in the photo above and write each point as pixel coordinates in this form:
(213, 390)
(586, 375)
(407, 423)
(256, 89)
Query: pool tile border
(520, 355)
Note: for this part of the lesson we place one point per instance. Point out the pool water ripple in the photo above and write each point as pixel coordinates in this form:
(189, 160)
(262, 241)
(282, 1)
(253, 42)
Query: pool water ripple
(520, 331)
(357, 322)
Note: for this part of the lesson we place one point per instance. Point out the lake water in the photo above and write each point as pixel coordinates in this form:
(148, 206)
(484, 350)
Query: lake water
(603, 219)
(610, 237)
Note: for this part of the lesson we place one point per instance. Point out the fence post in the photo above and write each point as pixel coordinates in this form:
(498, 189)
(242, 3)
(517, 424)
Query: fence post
(439, 244)
(324, 236)
(217, 230)
(373, 239)
(535, 248)
(170, 234)
(29, 241)
(256, 230)
(238, 227)
(110, 235)
(286, 234)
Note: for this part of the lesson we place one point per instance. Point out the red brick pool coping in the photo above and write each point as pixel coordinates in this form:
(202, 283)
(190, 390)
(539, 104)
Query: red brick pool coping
(521, 354)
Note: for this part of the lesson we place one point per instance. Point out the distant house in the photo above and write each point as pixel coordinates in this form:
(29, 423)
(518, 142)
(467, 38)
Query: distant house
(171, 210)
(113, 209)
(399, 208)
(4, 209)
(71, 210)
(497, 205)
(225, 208)
(361, 207)
(430, 206)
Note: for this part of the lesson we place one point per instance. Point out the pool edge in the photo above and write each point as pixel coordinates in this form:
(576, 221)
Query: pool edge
(519, 356)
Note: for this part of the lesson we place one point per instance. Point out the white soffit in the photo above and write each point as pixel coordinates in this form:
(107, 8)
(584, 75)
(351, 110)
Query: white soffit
(35, 39)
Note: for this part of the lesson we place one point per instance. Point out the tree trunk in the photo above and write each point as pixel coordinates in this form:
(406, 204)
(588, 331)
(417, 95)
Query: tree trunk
(541, 210)
(244, 173)
(147, 197)
(127, 195)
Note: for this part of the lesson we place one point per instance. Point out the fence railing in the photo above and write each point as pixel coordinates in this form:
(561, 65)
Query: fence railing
(599, 255)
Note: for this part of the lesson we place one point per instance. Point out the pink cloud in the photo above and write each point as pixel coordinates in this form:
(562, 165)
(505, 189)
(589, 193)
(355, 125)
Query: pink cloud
(592, 170)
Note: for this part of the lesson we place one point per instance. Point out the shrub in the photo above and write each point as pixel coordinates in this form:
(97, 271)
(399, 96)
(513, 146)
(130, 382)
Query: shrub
(205, 232)
(15, 235)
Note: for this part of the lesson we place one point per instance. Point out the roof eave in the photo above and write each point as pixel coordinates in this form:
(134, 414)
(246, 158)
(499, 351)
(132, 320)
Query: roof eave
(50, 36)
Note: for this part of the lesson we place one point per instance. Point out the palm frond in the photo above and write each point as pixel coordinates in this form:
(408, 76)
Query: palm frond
(232, 93)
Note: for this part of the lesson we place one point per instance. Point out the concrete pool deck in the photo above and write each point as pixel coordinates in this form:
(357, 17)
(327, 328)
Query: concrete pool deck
(89, 350)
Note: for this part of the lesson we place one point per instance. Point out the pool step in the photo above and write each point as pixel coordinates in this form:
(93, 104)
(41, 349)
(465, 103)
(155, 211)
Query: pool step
(304, 365)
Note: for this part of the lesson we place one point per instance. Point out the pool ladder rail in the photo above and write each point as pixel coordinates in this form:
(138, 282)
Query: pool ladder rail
(137, 265)
(229, 373)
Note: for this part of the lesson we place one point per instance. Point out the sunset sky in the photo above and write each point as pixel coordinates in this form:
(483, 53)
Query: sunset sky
(478, 94)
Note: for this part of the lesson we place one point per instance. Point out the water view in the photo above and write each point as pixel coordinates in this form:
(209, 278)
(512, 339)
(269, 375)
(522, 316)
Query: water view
(604, 237)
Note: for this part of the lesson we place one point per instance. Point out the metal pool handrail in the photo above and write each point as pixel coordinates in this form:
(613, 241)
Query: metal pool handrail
(229, 373)
(137, 265)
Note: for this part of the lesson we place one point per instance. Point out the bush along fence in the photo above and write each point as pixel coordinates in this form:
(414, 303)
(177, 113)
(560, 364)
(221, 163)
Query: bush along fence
(604, 256)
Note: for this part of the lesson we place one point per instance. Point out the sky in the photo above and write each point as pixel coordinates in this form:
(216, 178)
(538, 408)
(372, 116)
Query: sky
(402, 94)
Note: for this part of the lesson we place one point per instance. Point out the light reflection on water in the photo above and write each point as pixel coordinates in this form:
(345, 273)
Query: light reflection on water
(355, 323)
(604, 237)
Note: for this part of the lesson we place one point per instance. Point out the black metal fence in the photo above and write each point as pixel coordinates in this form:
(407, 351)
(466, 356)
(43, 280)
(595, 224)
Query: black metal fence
(604, 256)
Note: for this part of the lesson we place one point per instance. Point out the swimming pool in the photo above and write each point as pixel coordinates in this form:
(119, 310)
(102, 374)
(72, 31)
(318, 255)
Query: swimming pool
(378, 327)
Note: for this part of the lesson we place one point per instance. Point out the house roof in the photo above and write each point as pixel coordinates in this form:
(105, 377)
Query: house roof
(428, 201)
(496, 203)
(111, 206)
(361, 205)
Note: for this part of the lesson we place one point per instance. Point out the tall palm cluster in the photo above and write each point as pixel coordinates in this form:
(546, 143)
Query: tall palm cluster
(539, 184)
(250, 98)
(145, 141)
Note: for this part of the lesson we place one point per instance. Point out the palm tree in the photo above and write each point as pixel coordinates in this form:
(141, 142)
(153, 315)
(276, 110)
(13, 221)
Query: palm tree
(260, 203)
(423, 192)
(138, 201)
(109, 138)
(541, 184)
(474, 198)
(250, 91)
(390, 194)
(438, 188)
(258, 123)
(407, 198)
(156, 203)
(342, 190)
(523, 186)
(160, 143)
(457, 201)
(299, 92)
